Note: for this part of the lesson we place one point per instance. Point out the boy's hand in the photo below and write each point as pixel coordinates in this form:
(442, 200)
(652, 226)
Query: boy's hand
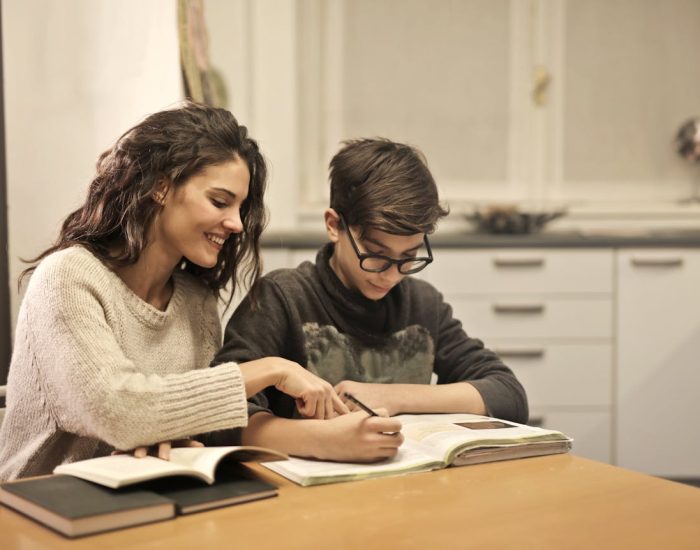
(357, 437)
(372, 395)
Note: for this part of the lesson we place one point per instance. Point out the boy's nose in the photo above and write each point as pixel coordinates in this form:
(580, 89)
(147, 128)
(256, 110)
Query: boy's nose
(392, 274)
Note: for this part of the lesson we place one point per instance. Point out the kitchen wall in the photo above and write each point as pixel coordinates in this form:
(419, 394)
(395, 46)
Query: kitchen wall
(540, 103)
(77, 74)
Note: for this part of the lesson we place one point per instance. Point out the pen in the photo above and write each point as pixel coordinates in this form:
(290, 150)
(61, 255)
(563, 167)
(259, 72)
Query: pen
(360, 404)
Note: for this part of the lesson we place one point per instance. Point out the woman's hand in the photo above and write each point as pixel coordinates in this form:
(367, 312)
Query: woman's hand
(163, 448)
(315, 398)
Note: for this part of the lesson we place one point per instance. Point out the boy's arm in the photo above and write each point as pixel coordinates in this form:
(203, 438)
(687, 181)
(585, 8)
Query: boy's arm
(471, 379)
(459, 358)
(457, 397)
(353, 437)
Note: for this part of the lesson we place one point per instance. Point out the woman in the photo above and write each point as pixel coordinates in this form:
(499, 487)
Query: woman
(119, 322)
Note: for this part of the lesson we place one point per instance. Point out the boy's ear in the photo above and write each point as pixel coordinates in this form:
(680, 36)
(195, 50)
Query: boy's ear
(332, 221)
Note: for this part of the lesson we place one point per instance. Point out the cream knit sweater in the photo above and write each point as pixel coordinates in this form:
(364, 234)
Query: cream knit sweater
(95, 368)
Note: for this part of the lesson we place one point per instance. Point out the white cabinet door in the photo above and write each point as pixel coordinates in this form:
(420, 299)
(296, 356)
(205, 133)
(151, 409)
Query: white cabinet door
(590, 430)
(561, 376)
(658, 386)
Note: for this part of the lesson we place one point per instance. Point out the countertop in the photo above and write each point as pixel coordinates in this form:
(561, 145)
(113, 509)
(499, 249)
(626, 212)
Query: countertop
(651, 238)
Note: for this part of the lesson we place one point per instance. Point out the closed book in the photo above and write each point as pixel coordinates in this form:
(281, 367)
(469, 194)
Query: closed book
(233, 486)
(75, 507)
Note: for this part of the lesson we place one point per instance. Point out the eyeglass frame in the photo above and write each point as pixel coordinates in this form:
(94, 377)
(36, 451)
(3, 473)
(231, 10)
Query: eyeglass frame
(362, 256)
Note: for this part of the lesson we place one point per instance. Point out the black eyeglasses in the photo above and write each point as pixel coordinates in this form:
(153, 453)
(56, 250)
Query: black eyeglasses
(376, 263)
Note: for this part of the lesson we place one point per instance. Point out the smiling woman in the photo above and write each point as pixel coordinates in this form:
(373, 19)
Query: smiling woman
(119, 321)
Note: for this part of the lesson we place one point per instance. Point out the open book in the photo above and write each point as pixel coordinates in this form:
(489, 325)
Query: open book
(434, 441)
(200, 462)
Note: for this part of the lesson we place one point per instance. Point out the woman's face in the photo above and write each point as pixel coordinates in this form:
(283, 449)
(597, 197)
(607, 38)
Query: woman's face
(198, 216)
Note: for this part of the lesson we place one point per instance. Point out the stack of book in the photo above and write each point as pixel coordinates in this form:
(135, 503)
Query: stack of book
(112, 492)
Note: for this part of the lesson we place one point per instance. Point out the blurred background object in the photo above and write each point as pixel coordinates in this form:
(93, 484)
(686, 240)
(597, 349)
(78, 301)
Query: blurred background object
(511, 220)
(687, 144)
(203, 83)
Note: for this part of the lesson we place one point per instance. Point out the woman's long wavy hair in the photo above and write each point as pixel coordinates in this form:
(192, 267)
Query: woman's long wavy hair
(174, 145)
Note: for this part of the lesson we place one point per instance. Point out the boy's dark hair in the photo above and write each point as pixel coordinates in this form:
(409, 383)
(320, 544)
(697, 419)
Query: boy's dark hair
(384, 185)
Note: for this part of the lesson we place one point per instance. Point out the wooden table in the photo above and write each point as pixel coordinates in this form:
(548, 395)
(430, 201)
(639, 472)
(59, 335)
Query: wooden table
(557, 502)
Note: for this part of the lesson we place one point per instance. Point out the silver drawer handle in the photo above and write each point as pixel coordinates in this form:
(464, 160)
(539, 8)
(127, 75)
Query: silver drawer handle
(518, 262)
(522, 353)
(518, 308)
(657, 262)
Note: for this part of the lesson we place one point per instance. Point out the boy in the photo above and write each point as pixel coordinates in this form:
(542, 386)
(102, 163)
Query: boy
(355, 319)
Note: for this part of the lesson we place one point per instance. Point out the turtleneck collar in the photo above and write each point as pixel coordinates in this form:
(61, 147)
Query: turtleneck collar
(370, 316)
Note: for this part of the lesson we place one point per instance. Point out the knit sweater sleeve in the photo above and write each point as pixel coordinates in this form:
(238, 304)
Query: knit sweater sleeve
(93, 389)
(460, 358)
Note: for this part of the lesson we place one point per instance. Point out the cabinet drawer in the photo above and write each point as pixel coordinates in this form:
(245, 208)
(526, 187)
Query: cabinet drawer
(535, 317)
(590, 430)
(560, 374)
(517, 271)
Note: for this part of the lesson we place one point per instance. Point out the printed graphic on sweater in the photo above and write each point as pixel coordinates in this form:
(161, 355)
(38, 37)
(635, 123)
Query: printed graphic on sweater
(406, 358)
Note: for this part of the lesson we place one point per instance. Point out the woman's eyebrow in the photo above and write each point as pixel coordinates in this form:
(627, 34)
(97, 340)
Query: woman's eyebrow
(224, 190)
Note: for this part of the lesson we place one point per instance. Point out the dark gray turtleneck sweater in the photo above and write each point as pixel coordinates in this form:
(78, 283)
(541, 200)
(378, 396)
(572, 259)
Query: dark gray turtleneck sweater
(307, 315)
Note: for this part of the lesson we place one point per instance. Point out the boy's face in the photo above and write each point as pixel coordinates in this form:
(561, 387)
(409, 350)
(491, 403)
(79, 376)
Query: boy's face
(346, 264)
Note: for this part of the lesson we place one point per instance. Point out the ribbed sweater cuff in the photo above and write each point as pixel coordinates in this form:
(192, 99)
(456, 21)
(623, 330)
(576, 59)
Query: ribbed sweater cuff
(207, 400)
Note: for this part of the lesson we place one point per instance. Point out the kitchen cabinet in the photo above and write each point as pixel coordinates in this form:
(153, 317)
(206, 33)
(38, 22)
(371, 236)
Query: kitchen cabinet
(658, 361)
(561, 111)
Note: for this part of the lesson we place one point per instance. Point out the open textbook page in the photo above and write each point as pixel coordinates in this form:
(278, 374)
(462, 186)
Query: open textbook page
(459, 439)
(315, 472)
(434, 441)
(201, 462)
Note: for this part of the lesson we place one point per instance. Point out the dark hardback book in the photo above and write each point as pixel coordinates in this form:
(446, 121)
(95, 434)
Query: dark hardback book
(233, 486)
(75, 507)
